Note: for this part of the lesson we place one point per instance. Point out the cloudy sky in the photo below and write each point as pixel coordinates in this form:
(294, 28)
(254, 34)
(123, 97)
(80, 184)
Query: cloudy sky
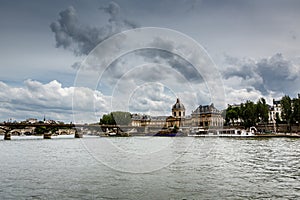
(50, 52)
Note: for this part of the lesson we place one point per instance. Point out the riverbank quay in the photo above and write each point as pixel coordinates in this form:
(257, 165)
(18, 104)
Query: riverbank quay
(286, 135)
(155, 134)
(252, 136)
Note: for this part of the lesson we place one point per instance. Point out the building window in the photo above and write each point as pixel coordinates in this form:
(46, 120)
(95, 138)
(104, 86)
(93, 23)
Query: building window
(174, 114)
(179, 113)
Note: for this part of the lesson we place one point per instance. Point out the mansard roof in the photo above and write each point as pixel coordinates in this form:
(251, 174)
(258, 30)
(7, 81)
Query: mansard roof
(206, 109)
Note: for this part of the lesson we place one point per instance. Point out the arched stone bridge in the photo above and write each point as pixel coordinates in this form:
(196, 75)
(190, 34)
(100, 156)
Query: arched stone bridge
(9, 129)
(25, 131)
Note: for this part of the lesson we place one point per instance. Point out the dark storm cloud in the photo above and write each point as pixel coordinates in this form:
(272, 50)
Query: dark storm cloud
(112, 9)
(274, 74)
(167, 65)
(176, 62)
(185, 68)
(76, 65)
(164, 55)
(81, 39)
(278, 73)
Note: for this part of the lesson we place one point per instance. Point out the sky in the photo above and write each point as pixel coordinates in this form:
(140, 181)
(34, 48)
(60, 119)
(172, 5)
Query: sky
(54, 55)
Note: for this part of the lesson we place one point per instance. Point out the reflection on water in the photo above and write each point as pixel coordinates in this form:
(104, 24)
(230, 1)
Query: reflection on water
(160, 168)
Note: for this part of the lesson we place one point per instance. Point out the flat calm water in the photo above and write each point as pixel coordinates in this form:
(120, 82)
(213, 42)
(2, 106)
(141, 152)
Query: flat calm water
(150, 168)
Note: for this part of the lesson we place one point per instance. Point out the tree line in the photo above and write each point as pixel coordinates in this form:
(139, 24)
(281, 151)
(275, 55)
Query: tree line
(290, 110)
(250, 113)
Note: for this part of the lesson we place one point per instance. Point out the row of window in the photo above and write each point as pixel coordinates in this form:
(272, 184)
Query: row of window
(179, 114)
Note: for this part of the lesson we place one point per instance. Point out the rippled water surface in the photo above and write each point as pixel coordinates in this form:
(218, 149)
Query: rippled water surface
(150, 168)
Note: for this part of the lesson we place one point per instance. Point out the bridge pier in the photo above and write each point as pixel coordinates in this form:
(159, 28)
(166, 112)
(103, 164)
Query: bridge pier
(78, 135)
(7, 136)
(47, 135)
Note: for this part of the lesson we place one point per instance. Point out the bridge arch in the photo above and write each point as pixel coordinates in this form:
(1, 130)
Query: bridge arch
(15, 132)
(63, 133)
(4, 129)
(66, 131)
(27, 133)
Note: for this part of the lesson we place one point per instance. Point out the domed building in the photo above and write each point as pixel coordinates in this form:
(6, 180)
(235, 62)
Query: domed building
(178, 115)
(205, 116)
(178, 110)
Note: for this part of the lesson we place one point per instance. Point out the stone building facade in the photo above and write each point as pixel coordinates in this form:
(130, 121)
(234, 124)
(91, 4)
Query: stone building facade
(206, 116)
(178, 110)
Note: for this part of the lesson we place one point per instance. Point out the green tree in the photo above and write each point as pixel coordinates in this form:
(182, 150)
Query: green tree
(45, 129)
(242, 113)
(107, 119)
(122, 118)
(287, 111)
(248, 114)
(296, 110)
(262, 111)
(116, 118)
(232, 114)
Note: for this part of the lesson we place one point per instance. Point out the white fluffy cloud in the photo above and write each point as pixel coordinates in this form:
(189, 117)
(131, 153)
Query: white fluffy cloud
(36, 99)
(81, 104)
(153, 99)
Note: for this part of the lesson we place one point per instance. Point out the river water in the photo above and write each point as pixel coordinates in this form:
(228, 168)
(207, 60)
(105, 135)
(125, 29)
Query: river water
(149, 168)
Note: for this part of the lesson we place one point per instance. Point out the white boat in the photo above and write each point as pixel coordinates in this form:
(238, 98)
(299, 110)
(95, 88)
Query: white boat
(112, 134)
(198, 131)
(221, 133)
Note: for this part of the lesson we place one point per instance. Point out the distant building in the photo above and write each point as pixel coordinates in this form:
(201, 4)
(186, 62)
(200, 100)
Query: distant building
(207, 116)
(31, 120)
(158, 121)
(178, 110)
(50, 121)
(136, 120)
(147, 120)
(204, 116)
(275, 111)
(178, 115)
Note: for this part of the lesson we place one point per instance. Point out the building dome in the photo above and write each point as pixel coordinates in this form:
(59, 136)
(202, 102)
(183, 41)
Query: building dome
(178, 105)
(178, 109)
